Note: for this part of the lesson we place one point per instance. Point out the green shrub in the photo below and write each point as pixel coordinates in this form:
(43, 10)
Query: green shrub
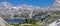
(25, 25)
(58, 12)
(36, 25)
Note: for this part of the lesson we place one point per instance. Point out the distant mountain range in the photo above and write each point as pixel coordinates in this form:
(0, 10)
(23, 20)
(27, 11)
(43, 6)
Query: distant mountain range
(6, 7)
(24, 9)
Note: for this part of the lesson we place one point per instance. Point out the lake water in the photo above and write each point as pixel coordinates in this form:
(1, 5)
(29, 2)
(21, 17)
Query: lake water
(15, 20)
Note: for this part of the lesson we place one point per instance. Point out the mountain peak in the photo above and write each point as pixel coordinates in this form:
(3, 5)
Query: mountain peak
(5, 4)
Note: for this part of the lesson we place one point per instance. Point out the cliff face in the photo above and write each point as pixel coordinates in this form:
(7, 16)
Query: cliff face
(46, 15)
(22, 10)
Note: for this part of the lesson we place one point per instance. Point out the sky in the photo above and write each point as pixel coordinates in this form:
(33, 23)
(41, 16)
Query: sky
(40, 3)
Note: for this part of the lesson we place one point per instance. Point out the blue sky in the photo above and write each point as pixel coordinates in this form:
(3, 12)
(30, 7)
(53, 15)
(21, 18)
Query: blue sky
(41, 3)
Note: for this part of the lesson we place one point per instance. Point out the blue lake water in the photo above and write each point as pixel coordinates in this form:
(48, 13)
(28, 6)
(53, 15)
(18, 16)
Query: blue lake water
(15, 20)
